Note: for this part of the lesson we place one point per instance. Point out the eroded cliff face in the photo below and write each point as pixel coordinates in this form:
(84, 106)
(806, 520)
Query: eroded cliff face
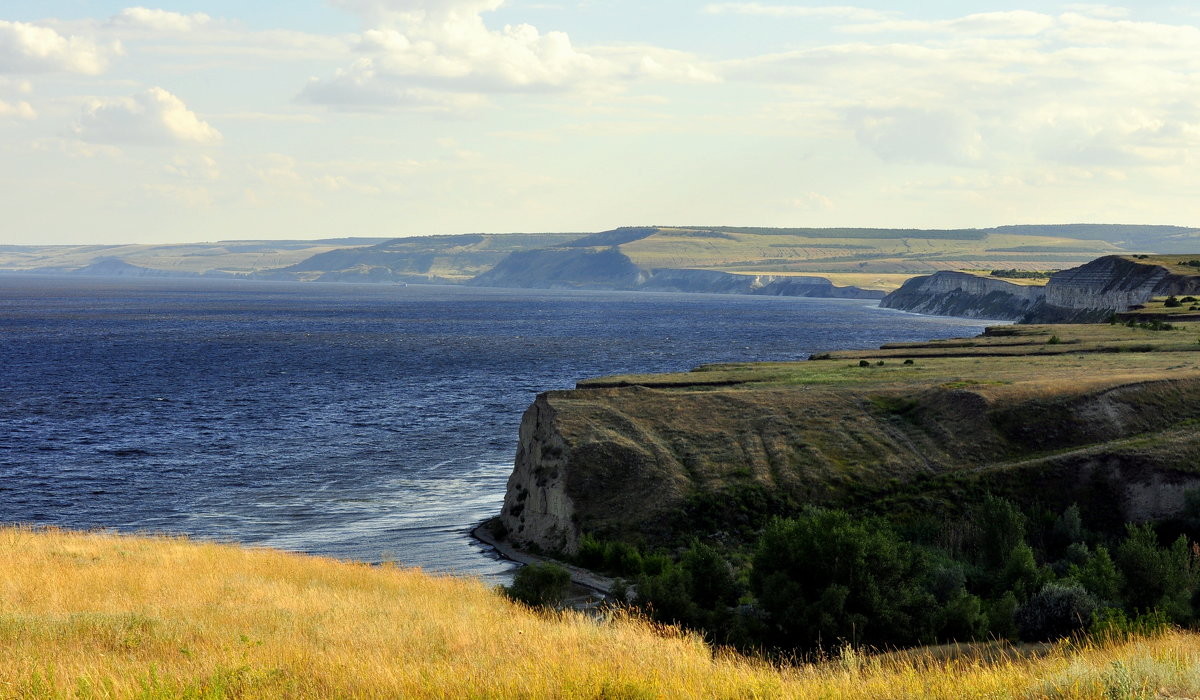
(625, 462)
(948, 293)
(537, 511)
(592, 267)
(1082, 294)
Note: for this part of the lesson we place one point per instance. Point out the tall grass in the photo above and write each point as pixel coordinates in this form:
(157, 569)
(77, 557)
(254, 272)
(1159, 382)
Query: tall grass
(98, 616)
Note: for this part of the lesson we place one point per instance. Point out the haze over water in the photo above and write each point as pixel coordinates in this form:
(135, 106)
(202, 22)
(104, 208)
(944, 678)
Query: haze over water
(370, 422)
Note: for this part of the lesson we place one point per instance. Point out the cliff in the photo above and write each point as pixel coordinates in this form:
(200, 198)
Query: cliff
(1090, 292)
(963, 294)
(591, 267)
(1100, 417)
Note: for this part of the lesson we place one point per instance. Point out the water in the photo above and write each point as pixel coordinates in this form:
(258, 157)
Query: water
(376, 423)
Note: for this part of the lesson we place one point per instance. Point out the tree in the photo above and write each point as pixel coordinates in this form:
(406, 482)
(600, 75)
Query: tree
(543, 584)
(1162, 578)
(825, 577)
(1054, 612)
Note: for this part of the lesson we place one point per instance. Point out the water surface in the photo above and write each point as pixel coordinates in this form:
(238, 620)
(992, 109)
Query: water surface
(369, 422)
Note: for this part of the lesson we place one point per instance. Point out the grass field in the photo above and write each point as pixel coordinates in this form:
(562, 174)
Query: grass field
(877, 263)
(105, 616)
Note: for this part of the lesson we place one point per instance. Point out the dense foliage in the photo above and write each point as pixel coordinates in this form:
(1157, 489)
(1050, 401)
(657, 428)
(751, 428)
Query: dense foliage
(542, 584)
(823, 578)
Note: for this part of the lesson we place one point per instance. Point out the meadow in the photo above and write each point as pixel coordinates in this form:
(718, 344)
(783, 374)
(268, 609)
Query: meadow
(99, 615)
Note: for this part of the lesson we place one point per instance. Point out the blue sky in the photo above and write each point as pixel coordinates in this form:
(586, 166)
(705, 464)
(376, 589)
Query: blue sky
(191, 121)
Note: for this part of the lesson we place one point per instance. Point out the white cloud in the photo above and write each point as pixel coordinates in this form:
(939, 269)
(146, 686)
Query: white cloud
(910, 134)
(194, 168)
(196, 197)
(28, 48)
(159, 20)
(810, 201)
(15, 109)
(854, 14)
(439, 54)
(1000, 89)
(1097, 10)
(19, 110)
(1013, 23)
(152, 117)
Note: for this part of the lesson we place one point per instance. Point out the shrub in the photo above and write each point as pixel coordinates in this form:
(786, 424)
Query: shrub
(1157, 577)
(1054, 612)
(1054, 340)
(543, 584)
(864, 363)
(1172, 302)
(1114, 624)
(622, 558)
(826, 576)
(591, 552)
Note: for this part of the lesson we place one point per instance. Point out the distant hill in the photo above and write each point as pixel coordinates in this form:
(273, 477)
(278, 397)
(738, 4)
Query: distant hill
(748, 259)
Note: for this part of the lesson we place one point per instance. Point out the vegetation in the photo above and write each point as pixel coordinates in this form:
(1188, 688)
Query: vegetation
(96, 615)
(542, 584)
(827, 578)
(1016, 274)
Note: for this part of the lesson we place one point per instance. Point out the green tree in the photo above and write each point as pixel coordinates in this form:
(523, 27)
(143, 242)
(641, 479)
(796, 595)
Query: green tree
(825, 577)
(1001, 527)
(1162, 578)
(1099, 575)
(712, 581)
(543, 584)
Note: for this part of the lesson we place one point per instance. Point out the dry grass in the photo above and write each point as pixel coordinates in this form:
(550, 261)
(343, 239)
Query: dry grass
(97, 615)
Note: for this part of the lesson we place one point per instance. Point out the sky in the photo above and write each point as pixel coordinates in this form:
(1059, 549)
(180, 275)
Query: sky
(189, 121)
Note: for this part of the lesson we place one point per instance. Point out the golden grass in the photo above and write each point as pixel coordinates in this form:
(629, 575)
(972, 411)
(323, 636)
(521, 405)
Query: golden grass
(105, 616)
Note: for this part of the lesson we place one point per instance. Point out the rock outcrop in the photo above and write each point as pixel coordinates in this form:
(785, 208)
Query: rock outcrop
(1087, 293)
(582, 267)
(948, 293)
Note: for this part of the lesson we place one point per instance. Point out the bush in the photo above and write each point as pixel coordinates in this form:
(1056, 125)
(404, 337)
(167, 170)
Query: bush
(1172, 302)
(1114, 624)
(1055, 612)
(542, 584)
(591, 552)
(622, 558)
(1162, 578)
(826, 576)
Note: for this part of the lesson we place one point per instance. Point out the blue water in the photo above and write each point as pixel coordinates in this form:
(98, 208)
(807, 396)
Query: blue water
(369, 422)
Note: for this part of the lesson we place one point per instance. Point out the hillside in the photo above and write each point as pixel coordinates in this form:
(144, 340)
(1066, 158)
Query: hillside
(1054, 413)
(875, 259)
(791, 261)
(99, 615)
(446, 259)
(1091, 292)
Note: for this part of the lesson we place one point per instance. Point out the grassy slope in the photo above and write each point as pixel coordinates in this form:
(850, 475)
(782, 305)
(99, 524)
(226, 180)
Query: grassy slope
(98, 615)
(233, 256)
(450, 257)
(1009, 411)
(879, 263)
(873, 259)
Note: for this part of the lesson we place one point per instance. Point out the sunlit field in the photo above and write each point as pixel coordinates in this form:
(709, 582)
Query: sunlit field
(99, 616)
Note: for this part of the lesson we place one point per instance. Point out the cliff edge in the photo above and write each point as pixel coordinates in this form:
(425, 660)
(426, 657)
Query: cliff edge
(1091, 292)
(1100, 416)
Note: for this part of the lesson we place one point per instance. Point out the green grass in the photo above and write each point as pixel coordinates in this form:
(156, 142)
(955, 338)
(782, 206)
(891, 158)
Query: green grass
(994, 409)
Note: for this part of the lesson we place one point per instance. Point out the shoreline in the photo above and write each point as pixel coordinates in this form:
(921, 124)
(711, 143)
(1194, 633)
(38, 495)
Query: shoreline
(592, 583)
